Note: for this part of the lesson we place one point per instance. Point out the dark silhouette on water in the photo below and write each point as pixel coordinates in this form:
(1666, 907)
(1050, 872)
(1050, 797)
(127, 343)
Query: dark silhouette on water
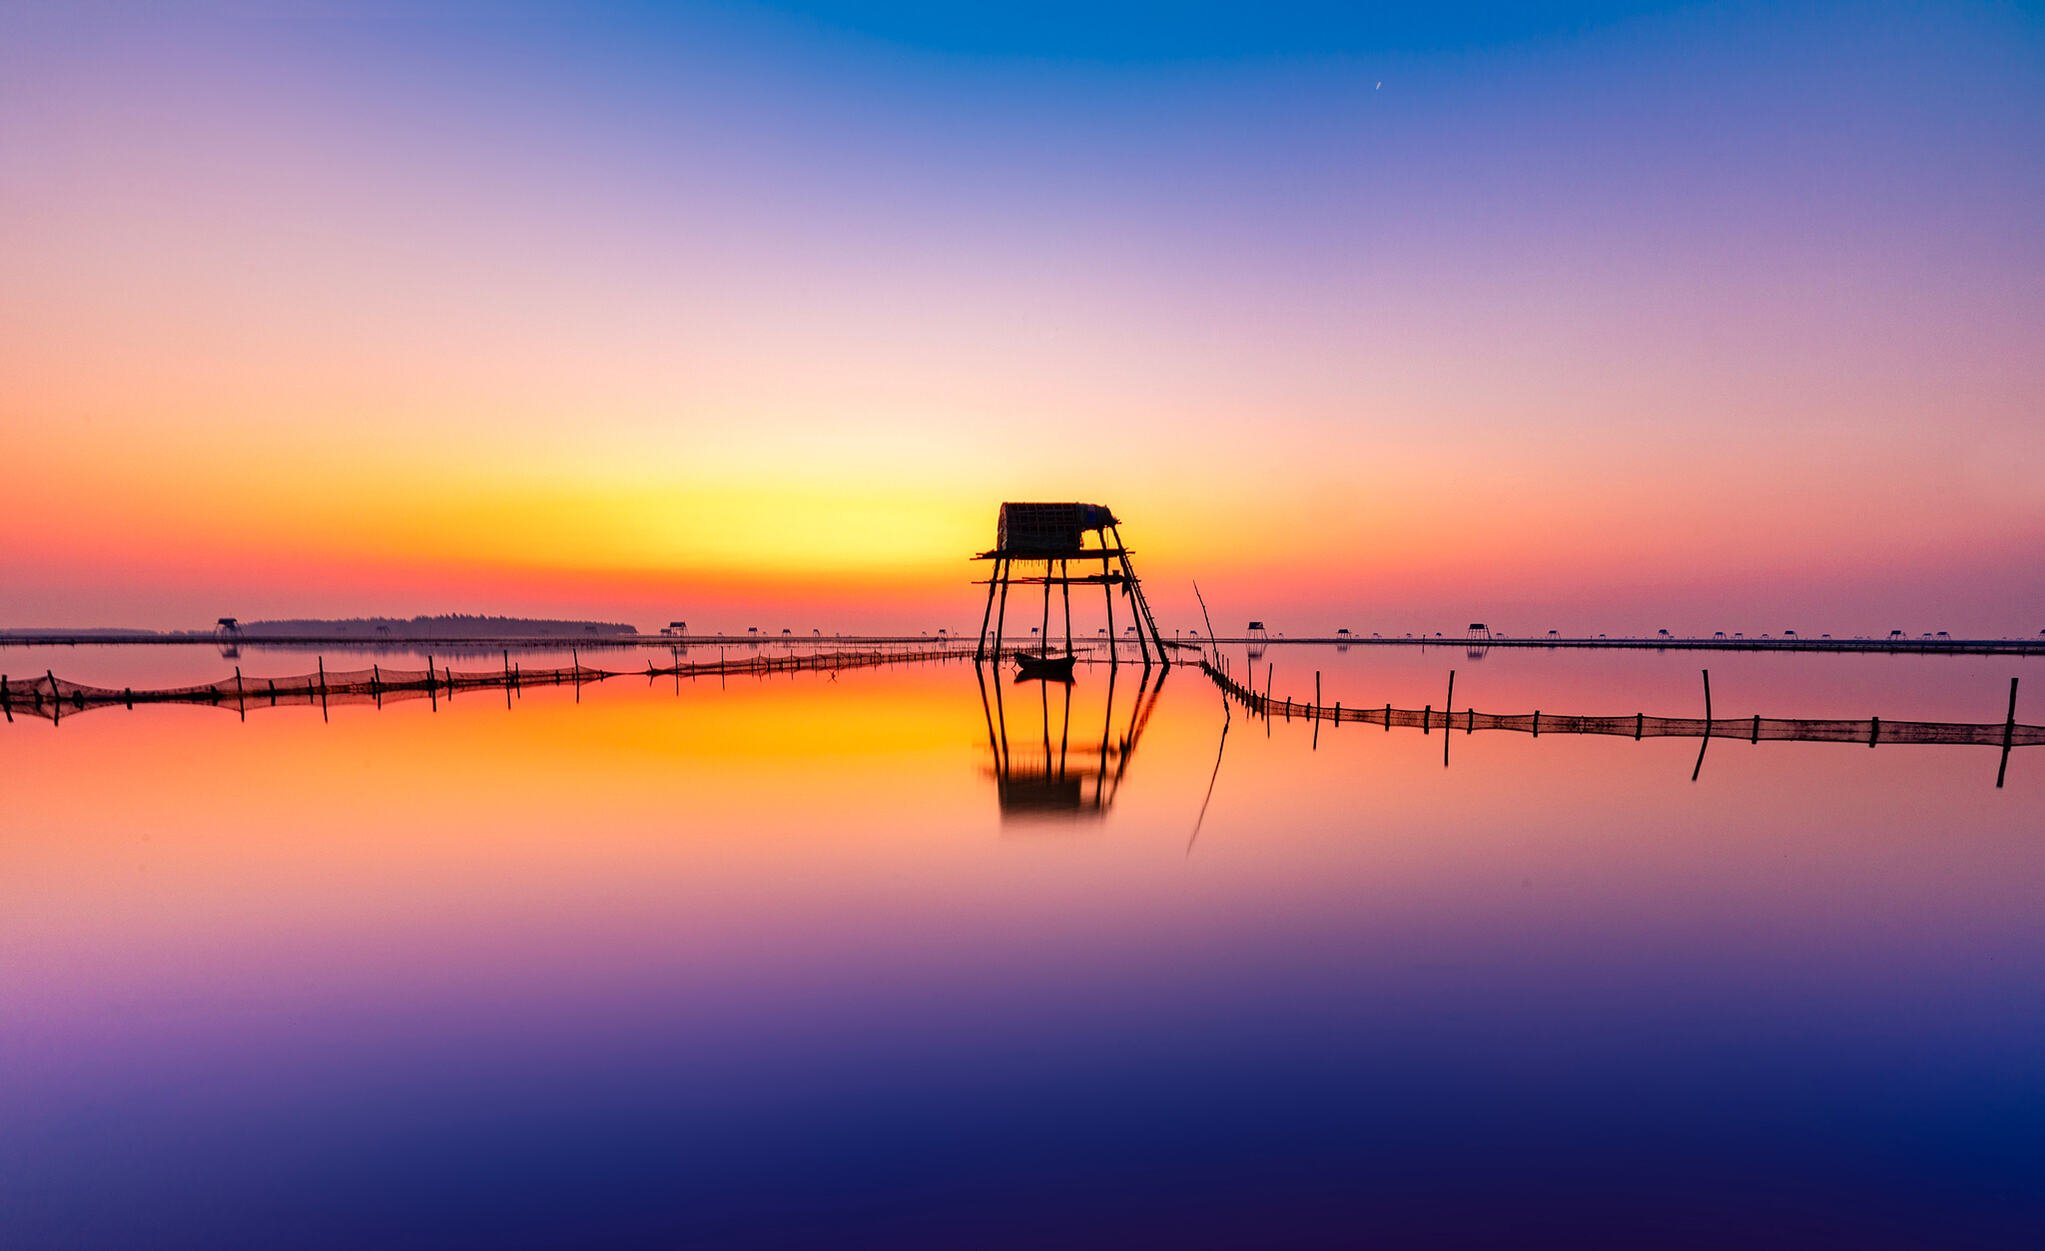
(2006, 734)
(1067, 779)
(52, 698)
(1054, 535)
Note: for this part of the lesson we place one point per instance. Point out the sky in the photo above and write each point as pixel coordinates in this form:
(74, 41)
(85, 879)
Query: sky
(1611, 317)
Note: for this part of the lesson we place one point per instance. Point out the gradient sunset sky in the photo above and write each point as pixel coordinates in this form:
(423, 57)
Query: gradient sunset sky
(1607, 317)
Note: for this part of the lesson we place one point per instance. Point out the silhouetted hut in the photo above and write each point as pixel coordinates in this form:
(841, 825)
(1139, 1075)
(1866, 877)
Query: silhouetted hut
(1055, 536)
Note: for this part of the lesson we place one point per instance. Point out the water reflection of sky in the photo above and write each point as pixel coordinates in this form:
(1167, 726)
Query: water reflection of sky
(766, 965)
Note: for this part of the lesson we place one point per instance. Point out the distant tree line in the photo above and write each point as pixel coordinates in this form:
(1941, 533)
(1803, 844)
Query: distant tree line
(441, 626)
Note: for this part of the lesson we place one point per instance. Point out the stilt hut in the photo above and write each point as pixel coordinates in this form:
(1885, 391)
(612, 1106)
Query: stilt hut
(1054, 538)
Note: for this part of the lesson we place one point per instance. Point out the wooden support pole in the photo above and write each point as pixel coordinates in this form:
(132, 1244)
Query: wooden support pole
(323, 688)
(241, 706)
(432, 691)
(1065, 589)
(1002, 569)
(1108, 593)
(1448, 706)
(1388, 718)
(376, 683)
(1044, 629)
(56, 704)
(7, 699)
(1757, 729)
(1874, 730)
(1537, 723)
(987, 613)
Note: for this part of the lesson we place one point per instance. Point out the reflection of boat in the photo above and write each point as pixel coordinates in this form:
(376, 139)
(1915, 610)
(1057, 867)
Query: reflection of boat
(1030, 668)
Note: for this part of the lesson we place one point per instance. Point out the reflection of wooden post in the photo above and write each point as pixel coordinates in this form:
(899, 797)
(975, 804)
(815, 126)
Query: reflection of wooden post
(2009, 734)
(1705, 741)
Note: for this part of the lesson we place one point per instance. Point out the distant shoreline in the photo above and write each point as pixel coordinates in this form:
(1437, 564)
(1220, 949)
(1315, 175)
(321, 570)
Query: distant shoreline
(91, 638)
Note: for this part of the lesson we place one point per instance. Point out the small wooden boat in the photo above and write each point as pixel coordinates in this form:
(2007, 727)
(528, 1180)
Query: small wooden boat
(1030, 668)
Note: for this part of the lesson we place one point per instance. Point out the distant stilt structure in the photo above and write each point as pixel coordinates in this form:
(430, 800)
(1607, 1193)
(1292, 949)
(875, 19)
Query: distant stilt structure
(1054, 536)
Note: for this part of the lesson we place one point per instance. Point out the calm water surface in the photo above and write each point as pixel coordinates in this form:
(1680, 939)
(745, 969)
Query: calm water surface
(812, 961)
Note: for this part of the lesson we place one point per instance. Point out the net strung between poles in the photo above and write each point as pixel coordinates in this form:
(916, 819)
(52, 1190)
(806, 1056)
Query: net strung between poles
(1874, 730)
(52, 698)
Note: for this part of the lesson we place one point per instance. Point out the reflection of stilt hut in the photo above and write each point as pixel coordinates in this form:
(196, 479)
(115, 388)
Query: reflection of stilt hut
(1054, 777)
(1055, 537)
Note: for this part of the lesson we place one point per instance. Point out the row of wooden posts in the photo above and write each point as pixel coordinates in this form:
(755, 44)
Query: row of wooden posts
(1265, 704)
(439, 680)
